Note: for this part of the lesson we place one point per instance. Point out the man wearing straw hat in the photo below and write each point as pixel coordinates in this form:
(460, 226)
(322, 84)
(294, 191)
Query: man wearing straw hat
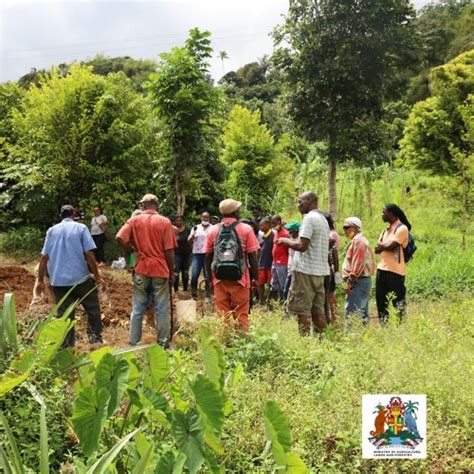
(232, 297)
(151, 238)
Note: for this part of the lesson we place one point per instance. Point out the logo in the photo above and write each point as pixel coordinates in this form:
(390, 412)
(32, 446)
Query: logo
(394, 426)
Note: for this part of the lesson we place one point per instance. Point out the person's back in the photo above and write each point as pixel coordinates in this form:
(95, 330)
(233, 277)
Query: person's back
(152, 235)
(65, 245)
(314, 261)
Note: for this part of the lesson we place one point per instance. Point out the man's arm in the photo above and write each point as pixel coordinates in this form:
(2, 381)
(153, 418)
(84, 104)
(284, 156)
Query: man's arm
(209, 258)
(301, 244)
(41, 271)
(253, 263)
(90, 258)
(127, 246)
(169, 256)
(380, 247)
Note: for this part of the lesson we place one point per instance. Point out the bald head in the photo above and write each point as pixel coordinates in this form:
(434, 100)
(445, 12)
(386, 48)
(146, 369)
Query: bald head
(307, 202)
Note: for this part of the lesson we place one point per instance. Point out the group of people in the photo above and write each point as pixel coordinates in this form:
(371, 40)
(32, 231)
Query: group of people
(298, 263)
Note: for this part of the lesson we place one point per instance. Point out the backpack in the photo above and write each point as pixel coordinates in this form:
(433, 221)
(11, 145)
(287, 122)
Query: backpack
(410, 249)
(228, 263)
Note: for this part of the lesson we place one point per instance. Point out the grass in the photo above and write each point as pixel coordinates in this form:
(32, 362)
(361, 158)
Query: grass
(319, 384)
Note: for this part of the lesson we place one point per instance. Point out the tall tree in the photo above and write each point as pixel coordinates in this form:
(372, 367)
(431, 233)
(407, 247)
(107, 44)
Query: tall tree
(439, 134)
(223, 56)
(186, 102)
(339, 58)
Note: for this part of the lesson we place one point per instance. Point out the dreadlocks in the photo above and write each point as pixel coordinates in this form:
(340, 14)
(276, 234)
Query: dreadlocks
(396, 211)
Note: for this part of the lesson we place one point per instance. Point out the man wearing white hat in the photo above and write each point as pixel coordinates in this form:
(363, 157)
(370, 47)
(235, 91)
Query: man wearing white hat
(357, 269)
(231, 249)
(152, 239)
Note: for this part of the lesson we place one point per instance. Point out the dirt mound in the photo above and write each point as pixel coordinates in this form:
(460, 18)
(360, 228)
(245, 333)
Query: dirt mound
(19, 281)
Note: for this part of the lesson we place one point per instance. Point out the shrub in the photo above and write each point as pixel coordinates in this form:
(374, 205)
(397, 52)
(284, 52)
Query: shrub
(28, 240)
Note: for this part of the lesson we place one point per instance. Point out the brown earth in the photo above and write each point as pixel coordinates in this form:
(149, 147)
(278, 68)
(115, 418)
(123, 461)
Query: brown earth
(115, 304)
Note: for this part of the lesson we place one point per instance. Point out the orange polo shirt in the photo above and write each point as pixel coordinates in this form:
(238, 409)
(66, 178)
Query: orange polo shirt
(151, 235)
(394, 260)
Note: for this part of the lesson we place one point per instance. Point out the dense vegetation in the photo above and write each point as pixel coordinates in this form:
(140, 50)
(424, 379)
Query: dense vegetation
(400, 127)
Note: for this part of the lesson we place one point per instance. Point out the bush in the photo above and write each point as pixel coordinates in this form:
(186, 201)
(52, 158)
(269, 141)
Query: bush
(28, 240)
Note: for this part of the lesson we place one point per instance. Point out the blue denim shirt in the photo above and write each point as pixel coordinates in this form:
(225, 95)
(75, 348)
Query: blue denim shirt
(65, 245)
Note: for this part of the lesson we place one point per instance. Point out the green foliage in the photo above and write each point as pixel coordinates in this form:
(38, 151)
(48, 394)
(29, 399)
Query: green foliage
(82, 139)
(253, 163)
(8, 333)
(186, 102)
(25, 240)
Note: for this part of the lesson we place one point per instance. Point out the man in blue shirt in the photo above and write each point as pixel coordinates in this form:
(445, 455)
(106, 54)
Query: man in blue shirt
(68, 253)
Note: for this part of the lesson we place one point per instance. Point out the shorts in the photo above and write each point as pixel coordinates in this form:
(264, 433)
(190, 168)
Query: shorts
(264, 276)
(279, 275)
(306, 296)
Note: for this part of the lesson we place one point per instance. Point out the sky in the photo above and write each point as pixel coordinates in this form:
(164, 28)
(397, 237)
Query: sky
(39, 34)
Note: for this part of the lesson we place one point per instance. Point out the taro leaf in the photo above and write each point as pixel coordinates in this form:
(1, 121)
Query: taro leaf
(51, 336)
(277, 431)
(210, 403)
(294, 464)
(21, 370)
(112, 374)
(165, 463)
(89, 414)
(213, 359)
(179, 462)
(159, 364)
(97, 355)
(188, 432)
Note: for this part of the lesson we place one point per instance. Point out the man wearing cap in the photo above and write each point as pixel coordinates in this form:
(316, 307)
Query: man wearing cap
(310, 265)
(232, 298)
(152, 239)
(68, 253)
(357, 269)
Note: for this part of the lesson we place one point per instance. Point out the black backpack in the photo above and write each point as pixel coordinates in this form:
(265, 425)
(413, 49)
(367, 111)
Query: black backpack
(410, 249)
(228, 262)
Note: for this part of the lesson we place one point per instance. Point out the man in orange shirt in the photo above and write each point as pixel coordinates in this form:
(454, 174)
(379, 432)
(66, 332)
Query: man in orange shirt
(152, 239)
(232, 298)
(391, 271)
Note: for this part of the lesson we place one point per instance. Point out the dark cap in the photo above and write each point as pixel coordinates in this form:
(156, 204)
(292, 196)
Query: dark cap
(67, 209)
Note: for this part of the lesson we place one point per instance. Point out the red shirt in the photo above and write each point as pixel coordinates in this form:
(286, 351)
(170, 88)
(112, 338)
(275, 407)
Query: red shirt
(248, 241)
(280, 252)
(151, 235)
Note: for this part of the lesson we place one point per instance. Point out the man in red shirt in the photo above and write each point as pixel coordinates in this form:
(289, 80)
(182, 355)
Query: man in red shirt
(280, 258)
(152, 239)
(232, 298)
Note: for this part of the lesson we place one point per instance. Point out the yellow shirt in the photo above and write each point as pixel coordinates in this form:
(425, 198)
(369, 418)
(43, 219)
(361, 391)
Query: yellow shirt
(394, 260)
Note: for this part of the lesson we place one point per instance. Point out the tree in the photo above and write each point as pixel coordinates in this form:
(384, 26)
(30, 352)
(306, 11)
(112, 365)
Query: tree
(223, 56)
(254, 164)
(187, 103)
(439, 134)
(339, 59)
(81, 139)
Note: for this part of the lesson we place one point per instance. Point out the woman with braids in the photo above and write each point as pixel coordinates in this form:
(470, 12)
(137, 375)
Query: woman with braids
(390, 280)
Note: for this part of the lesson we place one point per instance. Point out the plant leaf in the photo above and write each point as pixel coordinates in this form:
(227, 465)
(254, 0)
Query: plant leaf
(210, 404)
(141, 466)
(295, 465)
(277, 431)
(112, 374)
(44, 452)
(51, 336)
(15, 453)
(189, 435)
(213, 359)
(102, 464)
(9, 321)
(89, 414)
(4, 462)
(159, 364)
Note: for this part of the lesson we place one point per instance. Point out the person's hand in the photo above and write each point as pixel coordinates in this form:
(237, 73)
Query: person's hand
(254, 283)
(39, 288)
(378, 247)
(283, 241)
(349, 290)
(172, 279)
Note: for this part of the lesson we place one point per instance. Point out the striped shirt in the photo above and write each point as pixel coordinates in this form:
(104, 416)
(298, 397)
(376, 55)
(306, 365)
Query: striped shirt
(315, 260)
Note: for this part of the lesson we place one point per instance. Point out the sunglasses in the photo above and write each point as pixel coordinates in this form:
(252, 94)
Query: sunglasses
(347, 227)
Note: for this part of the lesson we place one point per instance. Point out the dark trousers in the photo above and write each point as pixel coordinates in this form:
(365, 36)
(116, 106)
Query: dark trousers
(181, 266)
(390, 286)
(99, 241)
(88, 296)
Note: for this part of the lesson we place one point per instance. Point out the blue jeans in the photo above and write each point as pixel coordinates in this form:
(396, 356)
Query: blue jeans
(287, 287)
(357, 303)
(279, 276)
(199, 265)
(159, 288)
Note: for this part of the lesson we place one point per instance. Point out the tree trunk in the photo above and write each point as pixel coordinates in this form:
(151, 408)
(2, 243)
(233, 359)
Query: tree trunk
(180, 195)
(332, 188)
